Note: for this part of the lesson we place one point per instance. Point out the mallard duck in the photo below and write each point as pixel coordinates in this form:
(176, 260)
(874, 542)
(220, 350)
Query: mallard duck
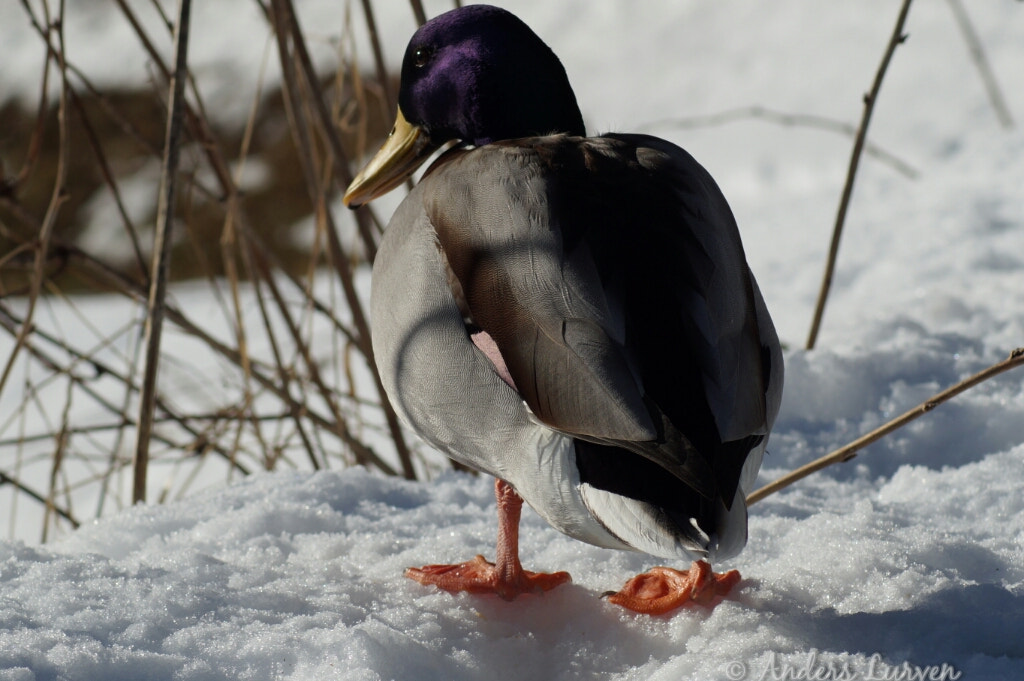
(572, 315)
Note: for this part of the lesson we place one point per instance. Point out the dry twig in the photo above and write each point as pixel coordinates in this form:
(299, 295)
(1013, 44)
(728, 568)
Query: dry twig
(849, 451)
(289, 36)
(273, 397)
(988, 77)
(858, 146)
(162, 250)
(785, 119)
(45, 234)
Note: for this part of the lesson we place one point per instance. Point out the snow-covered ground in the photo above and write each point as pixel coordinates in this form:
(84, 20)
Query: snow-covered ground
(909, 558)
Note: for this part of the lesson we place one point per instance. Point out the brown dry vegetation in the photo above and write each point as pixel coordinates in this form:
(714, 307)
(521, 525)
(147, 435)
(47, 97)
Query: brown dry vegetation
(124, 131)
(73, 406)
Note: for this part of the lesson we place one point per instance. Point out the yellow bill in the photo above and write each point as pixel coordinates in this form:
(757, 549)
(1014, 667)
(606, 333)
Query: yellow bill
(405, 149)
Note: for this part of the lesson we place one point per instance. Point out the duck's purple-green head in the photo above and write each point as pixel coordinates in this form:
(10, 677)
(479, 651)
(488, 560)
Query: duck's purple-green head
(474, 75)
(479, 74)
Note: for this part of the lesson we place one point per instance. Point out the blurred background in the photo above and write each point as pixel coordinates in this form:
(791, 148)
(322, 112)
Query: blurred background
(265, 362)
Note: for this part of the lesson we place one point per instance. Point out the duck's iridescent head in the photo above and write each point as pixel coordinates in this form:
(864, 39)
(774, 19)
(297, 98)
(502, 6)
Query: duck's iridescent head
(474, 75)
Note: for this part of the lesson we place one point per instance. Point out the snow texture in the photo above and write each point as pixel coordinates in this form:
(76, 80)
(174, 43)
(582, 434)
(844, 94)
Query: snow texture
(906, 559)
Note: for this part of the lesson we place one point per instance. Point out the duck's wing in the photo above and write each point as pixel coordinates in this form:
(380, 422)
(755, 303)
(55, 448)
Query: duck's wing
(610, 273)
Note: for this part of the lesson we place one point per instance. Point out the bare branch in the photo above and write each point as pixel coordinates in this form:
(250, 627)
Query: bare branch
(287, 27)
(785, 119)
(858, 146)
(849, 451)
(25, 489)
(161, 250)
(56, 198)
(988, 77)
(417, 10)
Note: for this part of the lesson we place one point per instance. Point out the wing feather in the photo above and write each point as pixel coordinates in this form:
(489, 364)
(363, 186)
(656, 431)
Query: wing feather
(610, 273)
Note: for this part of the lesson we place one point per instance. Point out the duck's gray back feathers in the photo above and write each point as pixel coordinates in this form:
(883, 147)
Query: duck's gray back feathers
(610, 273)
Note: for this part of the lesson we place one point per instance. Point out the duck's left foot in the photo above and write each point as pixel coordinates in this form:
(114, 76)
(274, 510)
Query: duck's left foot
(664, 589)
(480, 576)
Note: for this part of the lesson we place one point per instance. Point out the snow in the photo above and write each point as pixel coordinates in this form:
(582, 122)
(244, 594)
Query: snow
(908, 558)
(298, 576)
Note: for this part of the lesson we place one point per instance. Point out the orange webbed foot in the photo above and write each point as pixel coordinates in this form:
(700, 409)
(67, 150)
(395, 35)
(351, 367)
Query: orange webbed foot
(664, 589)
(480, 576)
(507, 578)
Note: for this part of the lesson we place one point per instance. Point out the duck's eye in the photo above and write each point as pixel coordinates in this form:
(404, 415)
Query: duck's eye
(421, 56)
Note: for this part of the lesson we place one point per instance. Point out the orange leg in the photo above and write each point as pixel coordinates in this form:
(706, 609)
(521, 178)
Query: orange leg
(663, 589)
(506, 576)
